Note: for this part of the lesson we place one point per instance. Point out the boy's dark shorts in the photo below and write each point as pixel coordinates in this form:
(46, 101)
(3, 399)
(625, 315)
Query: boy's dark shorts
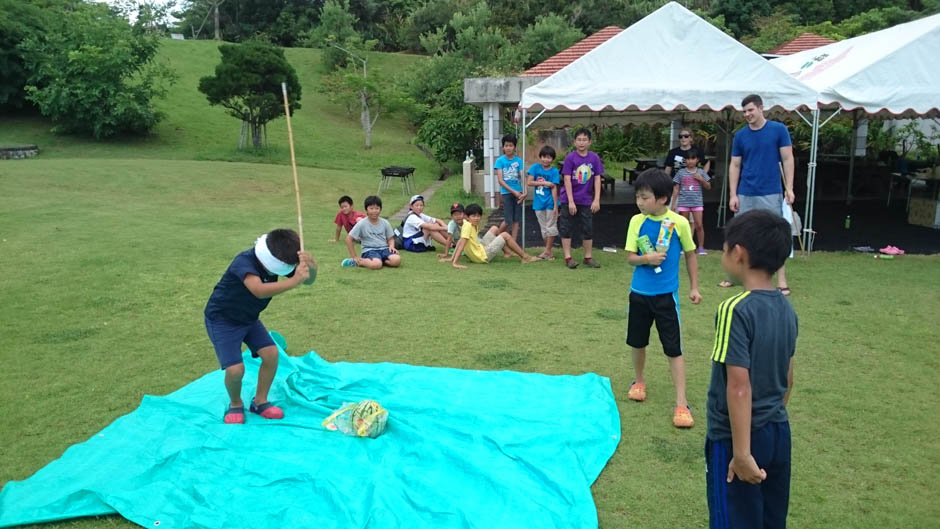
(740, 504)
(227, 338)
(381, 255)
(663, 309)
(512, 209)
(568, 223)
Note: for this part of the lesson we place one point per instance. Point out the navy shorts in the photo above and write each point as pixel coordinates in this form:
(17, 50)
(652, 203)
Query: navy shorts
(381, 255)
(415, 243)
(567, 222)
(740, 504)
(663, 309)
(512, 209)
(227, 338)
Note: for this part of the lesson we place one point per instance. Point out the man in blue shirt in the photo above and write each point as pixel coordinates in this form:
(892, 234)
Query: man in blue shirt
(758, 152)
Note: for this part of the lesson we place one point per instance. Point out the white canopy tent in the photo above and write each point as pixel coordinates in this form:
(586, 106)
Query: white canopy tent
(888, 73)
(672, 64)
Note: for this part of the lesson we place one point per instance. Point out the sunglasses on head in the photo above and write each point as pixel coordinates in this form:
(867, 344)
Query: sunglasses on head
(685, 135)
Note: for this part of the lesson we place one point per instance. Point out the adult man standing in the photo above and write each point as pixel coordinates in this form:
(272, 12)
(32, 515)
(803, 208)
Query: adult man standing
(754, 175)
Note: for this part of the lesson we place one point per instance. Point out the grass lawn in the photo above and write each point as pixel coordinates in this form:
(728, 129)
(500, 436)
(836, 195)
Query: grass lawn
(108, 264)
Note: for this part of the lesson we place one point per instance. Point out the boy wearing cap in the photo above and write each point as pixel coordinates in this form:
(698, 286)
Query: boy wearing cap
(456, 222)
(420, 229)
(483, 251)
(232, 311)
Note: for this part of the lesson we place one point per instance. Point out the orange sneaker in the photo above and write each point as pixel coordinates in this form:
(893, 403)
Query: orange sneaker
(637, 391)
(682, 418)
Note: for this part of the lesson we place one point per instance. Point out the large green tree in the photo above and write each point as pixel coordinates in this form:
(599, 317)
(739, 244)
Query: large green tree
(21, 21)
(91, 73)
(247, 83)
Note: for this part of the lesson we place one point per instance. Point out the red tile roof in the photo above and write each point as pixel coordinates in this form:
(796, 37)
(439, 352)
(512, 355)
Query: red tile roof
(806, 41)
(568, 56)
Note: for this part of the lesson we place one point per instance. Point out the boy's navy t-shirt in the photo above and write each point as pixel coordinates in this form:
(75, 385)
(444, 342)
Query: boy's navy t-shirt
(756, 330)
(231, 300)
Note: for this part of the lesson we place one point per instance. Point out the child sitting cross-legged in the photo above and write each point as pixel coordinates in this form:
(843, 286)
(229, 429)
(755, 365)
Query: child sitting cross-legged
(376, 236)
(483, 251)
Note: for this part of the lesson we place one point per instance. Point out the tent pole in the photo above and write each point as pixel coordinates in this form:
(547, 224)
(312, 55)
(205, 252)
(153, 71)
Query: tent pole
(723, 201)
(852, 147)
(522, 179)
(811, 186)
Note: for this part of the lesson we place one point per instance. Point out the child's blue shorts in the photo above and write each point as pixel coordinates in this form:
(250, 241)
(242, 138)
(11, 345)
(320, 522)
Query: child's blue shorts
(227, 338)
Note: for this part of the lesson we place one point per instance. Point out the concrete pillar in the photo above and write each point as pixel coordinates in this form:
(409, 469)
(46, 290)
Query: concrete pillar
(674, 127)
(492, 133)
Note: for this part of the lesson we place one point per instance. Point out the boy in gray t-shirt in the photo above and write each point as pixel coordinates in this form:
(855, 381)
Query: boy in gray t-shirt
(747, 446)
(376, 236)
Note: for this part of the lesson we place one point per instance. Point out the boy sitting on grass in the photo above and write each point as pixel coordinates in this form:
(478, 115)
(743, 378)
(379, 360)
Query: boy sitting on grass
(656, 238)
(346, 217)
(493, 242)
(748, 434)
(232, 311)
(457, 217)
(376, 236)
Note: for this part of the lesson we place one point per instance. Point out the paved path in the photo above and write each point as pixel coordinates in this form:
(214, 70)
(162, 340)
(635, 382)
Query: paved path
(427, 194)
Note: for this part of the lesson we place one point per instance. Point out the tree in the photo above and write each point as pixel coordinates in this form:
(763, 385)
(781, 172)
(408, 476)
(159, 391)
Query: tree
(336, 33)
(21, 22)
(91, 73)
(368, 92)
(247, 83)
(546, 37)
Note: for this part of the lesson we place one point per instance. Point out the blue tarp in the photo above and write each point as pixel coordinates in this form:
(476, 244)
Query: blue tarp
(463, 449)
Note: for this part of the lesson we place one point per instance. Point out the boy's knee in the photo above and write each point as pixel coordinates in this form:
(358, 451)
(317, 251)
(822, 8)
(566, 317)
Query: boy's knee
(393, 260)
(267, 354)
(237, 370)
(373, 264)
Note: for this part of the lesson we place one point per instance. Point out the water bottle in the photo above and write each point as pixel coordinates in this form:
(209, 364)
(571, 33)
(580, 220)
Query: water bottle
(848, 221)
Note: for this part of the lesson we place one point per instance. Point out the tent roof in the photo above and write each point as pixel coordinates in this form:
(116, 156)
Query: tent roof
(672, 60)
(888, 72)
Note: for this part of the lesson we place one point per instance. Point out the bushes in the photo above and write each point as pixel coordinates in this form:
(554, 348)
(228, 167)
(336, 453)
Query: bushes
(90, 73)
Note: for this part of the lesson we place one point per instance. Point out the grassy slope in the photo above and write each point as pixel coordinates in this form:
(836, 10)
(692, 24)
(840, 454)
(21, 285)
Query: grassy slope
(325, 135)
(110, 250)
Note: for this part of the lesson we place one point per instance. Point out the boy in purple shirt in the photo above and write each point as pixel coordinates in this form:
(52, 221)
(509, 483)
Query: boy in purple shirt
(579, 197)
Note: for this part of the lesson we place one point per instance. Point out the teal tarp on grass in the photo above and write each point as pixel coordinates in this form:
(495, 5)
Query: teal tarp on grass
(463, 449)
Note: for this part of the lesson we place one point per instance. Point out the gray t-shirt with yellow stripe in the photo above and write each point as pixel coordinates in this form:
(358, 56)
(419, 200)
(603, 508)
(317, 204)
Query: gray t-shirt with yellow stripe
(756, 330)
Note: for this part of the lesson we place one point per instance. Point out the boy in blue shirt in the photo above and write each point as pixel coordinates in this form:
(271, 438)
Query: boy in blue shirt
(509, 169)
(545, 179)
(655, 238)
(747, 445)
(232, 311)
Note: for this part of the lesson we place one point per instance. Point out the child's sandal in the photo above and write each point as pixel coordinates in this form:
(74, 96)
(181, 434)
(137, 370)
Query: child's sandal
(266, 410)
(234, 415)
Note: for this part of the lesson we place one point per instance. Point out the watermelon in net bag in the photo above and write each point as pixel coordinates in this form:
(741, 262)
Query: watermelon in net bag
(366, 418)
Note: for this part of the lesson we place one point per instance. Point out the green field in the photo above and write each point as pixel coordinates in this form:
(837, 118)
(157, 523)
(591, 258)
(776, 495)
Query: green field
(110, 250)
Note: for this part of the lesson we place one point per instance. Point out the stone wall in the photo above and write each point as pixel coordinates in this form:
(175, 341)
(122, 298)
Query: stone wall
(19, 151)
